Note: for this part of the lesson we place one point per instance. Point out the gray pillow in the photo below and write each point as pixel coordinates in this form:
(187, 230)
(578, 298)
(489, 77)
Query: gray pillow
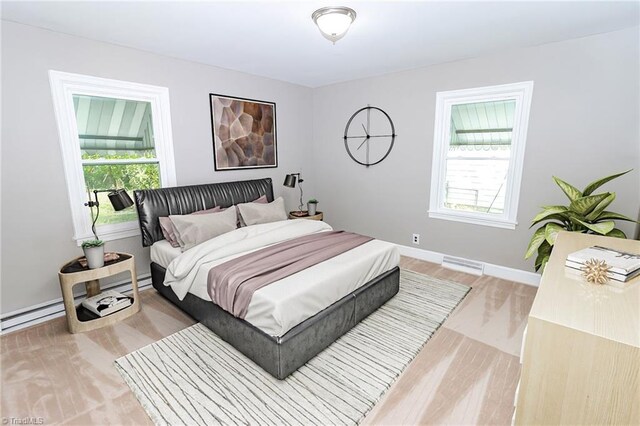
(261, 200)
(255, 213)
(192, 230)
(169, 231)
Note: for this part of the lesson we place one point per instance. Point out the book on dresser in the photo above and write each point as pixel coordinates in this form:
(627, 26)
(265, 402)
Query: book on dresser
(107, 302)
(623, 266)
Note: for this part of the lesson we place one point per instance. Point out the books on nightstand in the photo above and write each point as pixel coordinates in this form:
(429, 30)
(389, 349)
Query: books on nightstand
(107, 302)
(624, 266)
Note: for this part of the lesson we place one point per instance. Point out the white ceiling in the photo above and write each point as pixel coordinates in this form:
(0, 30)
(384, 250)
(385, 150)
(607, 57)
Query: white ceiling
(278, 39)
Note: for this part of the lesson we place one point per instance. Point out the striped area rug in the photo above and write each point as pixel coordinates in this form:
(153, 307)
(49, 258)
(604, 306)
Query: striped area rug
(194, 378)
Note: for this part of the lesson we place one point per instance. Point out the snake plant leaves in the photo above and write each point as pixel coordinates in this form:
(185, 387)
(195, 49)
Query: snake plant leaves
(572, 192)
(536, 240)
(602, 228)
(598, 183)
(584, 205)
(595, 213)
(616, 233)
(551, 232)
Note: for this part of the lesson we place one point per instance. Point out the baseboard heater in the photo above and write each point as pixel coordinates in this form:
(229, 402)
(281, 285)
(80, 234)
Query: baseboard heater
(463, 265)
(42, 312)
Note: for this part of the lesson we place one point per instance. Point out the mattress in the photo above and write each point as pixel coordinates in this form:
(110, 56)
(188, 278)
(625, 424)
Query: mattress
(282, 305)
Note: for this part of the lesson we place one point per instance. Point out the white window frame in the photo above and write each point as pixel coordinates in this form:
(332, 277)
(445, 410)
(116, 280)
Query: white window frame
(521, 93)
(63, 87)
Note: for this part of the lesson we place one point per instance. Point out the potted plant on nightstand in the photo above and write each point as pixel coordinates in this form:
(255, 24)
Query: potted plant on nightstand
(312, 206)
(94, 252)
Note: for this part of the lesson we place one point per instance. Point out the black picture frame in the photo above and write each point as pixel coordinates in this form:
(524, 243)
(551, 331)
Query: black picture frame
(243, 132)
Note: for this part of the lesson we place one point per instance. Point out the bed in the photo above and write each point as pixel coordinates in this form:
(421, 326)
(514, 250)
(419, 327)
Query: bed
(363, 278)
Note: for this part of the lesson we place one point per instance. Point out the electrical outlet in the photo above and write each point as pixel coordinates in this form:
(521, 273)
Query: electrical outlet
(416, 239)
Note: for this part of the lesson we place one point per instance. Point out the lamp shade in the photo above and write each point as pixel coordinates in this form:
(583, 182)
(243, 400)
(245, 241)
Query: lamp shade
(120, 200)
(290, 181)
(334, 22)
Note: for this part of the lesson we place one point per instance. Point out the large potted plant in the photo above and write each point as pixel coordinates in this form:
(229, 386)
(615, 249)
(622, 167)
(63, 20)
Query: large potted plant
(94, 252)
(585, 213)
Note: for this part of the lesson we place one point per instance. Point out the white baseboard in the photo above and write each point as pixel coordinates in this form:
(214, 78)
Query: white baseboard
(506, 273)
(36, 314)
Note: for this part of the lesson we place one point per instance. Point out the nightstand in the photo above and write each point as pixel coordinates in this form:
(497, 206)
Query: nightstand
(317, 216)
(72, 273)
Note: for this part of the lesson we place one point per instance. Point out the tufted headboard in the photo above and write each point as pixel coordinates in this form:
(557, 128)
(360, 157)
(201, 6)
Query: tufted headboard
(155, 203)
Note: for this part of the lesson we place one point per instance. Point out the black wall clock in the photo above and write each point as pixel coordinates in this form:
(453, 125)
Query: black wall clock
(369, 136)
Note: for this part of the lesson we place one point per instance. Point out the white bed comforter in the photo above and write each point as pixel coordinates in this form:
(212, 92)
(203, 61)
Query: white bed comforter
(277, 308)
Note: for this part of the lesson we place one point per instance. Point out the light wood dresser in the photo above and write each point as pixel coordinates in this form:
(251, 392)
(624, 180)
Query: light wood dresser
(581, 348)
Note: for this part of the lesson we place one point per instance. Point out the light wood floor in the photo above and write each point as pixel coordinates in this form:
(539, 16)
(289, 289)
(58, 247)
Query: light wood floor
(466, 374)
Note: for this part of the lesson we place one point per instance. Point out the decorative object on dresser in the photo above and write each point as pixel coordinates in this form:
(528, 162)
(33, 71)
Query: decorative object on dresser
(106, 303)
(351, 375)
(581, 347)
(290, 182)
(244, 133)
(377, 140)
(585, 213)
(312, 206)
(79, 318)
(615, 265)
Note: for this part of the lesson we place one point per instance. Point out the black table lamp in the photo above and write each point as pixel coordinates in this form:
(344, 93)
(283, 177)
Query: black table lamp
(119, 199)
(290, 182)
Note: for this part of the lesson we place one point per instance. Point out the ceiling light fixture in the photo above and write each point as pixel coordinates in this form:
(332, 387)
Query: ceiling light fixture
(334, 22)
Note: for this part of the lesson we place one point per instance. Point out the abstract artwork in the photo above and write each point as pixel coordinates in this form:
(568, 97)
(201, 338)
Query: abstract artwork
(244, 133)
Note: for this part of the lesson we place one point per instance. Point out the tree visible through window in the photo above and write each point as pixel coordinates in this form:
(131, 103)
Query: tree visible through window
(117, 148)
(113, 134)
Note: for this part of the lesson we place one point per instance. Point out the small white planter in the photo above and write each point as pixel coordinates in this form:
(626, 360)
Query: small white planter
(95, 256)
(312, 208)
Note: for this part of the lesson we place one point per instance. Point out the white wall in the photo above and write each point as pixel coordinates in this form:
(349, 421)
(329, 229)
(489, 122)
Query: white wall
(584, 124)
(36, 217)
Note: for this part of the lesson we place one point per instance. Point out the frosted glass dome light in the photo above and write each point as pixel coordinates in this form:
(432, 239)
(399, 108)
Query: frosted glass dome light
(334, 22)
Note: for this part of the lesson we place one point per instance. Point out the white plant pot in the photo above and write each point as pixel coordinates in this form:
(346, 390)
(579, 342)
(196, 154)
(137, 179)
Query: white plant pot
(311, 208)
(95, 256)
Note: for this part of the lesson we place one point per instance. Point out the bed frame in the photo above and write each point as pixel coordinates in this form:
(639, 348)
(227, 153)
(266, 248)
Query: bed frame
(279, 356)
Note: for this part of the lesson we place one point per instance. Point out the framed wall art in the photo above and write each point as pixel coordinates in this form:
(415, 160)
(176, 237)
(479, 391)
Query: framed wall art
(244, 133)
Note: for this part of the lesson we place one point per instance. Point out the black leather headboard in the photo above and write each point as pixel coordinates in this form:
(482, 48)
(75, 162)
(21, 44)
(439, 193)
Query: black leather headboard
(155, 203)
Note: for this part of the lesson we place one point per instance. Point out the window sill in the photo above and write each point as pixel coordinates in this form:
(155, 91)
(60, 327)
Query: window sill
(473, 219)
(131, 230)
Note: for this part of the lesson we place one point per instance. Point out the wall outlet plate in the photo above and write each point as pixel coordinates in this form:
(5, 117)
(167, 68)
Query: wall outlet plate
(415, 239)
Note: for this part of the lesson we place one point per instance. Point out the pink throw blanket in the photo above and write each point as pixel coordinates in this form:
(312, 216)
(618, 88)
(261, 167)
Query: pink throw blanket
(231, 285)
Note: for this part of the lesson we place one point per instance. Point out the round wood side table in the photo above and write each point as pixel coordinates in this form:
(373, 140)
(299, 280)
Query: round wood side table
(317, 216)
(72, 273)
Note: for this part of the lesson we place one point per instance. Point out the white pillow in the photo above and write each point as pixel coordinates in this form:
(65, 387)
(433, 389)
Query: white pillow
(192, 230)
(255, 213)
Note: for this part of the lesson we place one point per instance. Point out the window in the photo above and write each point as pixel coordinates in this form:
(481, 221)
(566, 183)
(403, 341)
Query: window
(113, 134)
(479, 142)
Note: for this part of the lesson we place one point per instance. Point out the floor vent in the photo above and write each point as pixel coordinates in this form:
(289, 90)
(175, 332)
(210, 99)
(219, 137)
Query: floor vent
(463, 265)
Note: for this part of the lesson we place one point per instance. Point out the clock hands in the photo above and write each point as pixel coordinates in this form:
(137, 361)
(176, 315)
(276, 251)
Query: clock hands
(366, 138)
